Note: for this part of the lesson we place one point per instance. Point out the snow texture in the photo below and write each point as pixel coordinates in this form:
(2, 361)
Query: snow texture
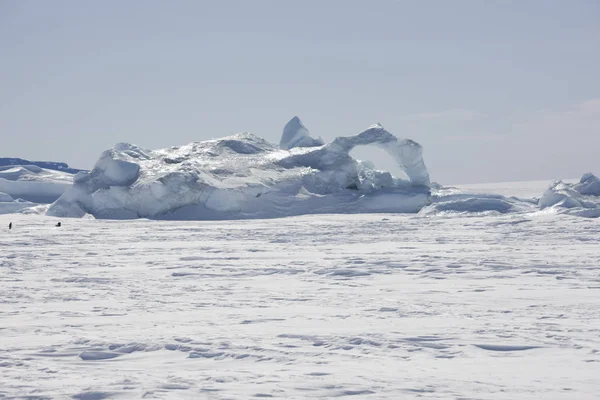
(243, 176)
(371, 306)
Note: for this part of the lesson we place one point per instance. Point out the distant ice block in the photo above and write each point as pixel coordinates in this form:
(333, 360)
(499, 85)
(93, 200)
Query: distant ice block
(589, 184)
(581, 199)
(33, 183)
(295, 134)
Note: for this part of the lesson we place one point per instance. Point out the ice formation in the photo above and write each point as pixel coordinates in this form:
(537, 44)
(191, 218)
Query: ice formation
(589, 184)
(295, 134)
(8, 205)
(48, 165)
(474, 203)
(5, 198)
(33, 183)
(450, 200)
(579, 199)
(244, 176)
(582, 198)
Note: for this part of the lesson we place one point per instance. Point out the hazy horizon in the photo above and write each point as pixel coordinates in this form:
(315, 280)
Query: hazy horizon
(494, 91)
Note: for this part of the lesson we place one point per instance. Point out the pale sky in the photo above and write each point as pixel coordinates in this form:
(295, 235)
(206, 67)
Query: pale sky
(493, 90)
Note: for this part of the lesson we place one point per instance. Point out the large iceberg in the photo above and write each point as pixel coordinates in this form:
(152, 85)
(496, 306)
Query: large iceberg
(244, 176)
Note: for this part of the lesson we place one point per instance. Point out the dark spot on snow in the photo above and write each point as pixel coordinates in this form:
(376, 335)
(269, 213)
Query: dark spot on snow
(422, 390)
(174, 386)
(205, 354)
(500, 347)
(92, 395)
(354, 392)
(97, 355)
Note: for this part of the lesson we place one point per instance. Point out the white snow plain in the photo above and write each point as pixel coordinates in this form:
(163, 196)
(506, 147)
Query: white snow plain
(446, 305)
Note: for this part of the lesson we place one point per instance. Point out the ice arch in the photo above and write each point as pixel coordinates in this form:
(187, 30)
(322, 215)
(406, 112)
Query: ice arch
(407, 153)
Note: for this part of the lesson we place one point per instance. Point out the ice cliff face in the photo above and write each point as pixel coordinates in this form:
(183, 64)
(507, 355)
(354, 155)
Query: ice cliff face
(243, 176)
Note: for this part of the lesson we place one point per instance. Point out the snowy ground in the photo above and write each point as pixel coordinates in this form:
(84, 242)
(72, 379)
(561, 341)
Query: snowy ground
(322, 306)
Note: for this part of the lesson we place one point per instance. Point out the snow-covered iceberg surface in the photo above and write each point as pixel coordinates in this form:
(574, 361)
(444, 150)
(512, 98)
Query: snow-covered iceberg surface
(579, 199)
(244, 176)
(51, 165)
(451, 200)
(33, 183)
(582, 198)
(8, 205)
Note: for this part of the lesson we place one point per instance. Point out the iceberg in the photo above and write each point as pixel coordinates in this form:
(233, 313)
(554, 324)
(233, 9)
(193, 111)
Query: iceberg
(244, 176)
(8, 205)
(451, 201)
(580, 199)
(33, 183)
(589, 184)
(48, 165)
(295, 134)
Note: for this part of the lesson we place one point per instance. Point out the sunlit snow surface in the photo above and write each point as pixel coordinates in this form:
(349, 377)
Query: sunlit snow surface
(373, 306)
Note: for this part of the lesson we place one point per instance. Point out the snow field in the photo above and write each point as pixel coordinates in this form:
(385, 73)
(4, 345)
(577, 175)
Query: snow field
(367, 306)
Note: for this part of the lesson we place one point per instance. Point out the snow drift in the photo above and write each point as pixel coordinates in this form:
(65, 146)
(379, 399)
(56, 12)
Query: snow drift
(244, 176)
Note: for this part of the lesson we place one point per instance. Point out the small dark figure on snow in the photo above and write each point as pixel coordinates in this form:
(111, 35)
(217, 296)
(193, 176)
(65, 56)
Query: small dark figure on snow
(10, 226)
(58, 225)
